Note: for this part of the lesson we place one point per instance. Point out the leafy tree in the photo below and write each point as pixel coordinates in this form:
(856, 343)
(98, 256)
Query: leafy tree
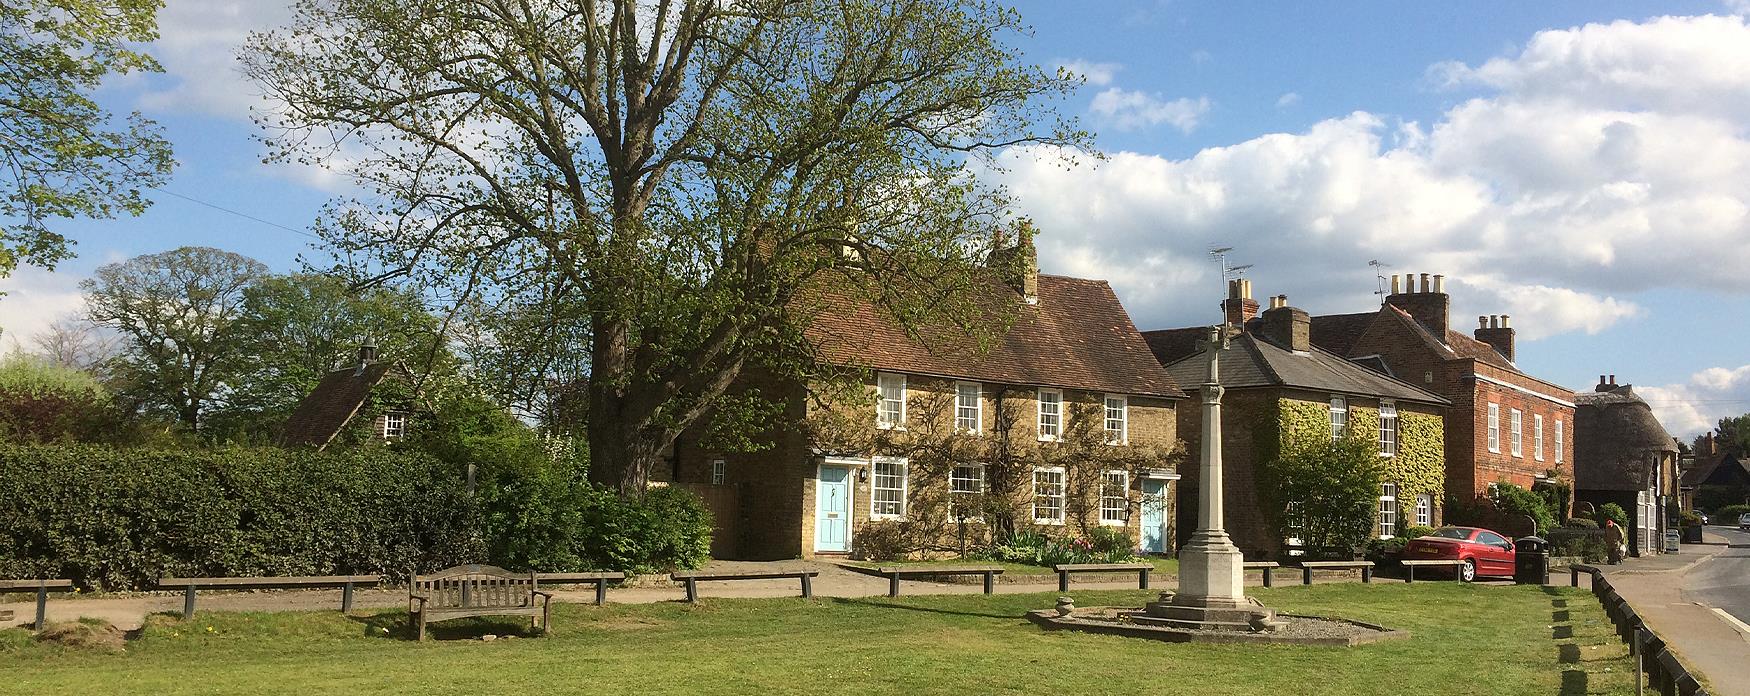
(674, 173)
(1326, 492)
(1733, 434)
(41, 401)
(178, 315)
(58, 156)
(294, 329)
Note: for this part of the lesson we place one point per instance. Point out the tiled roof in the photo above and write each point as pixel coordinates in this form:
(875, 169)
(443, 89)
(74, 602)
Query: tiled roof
(1339, 332)
(1077, 336)
(1615, 434)
(1252, 361)
(324, 412)
(1169, 345)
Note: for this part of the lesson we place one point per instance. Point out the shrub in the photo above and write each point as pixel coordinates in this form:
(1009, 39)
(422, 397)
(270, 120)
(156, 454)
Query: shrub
(1691, 518)
(121, 518)
(1112, 541)
(1385, 550)
(1413, 531)
(1612, 511)
(1579, 523)
(1333, 488)
(1034, 548)
(1729, 514)
(41, 401)
(1513, 500)
(1588, 544)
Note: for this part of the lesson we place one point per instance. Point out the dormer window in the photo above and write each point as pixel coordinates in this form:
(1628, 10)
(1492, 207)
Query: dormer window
(394, 426)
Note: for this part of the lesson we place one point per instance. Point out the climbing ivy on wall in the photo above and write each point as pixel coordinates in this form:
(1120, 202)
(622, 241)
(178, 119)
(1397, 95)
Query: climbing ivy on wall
(1301, 423)
(1418, 469)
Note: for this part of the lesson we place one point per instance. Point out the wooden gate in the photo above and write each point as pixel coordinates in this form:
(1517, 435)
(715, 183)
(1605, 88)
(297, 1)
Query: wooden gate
(725, 505)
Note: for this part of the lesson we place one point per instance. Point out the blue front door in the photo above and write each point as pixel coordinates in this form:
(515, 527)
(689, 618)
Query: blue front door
(832, 509)
(1154, 515)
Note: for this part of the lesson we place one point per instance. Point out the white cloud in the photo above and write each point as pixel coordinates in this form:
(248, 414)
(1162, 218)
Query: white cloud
(1127, 110)
(1583, 174)
(1288, 99)
(35, 299)
(1740, 7)
(197, 45)
(1689, 408)
(1098, 74)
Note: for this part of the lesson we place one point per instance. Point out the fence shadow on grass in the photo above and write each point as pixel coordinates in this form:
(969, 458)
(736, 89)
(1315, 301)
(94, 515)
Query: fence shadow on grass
(931, 610)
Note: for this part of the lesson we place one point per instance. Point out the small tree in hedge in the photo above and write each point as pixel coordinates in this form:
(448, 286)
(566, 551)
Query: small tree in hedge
(1513, 500)
(1325, 493)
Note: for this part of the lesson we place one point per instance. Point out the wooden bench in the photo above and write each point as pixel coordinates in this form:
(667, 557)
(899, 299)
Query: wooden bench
(1064, 569)
(190, 585)
(1267, 566)
(1410, 567)
(477, 590)
(894, 573)
(1307, 568)
(42, 588)
(692, 578)
(599, 578)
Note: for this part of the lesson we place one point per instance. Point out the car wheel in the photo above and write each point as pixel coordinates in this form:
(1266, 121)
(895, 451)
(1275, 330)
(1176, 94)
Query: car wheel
(1468, 571)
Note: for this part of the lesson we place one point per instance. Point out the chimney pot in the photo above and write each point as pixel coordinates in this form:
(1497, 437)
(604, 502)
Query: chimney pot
(1506, 321)
(1439, 283)
(1483, 322)
(1613, 380)
(1424, 282)
(1396, 286)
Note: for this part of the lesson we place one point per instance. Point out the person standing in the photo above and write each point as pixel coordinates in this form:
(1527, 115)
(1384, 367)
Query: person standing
(1613, 537)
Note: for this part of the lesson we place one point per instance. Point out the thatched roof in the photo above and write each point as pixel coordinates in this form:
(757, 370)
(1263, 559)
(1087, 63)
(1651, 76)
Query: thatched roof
(1617, 440)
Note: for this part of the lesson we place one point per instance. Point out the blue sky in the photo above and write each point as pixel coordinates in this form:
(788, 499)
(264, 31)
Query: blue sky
(1584, 166)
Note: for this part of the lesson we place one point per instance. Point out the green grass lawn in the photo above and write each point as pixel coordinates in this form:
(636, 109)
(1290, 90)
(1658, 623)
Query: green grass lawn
(1465, 640)
(1165, 566)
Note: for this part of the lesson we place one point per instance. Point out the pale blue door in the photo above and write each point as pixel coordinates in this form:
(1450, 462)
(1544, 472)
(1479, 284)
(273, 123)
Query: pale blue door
(1154, 515)
(832, 509)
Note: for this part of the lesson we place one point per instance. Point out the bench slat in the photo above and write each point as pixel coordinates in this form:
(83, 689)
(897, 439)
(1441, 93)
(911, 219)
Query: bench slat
(1337, 564)
(35, 584)
(591, 576)
(293, 581)
(939, 570)
(1101, 567)
(777, 575)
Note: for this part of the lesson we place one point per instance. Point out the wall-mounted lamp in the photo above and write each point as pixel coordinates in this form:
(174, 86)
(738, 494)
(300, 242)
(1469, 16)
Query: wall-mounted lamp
(862, 475)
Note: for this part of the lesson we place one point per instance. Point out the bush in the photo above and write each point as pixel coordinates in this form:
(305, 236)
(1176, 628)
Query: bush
(1413, 531)
(41, 401)
(1579, 523)
(1385, 550)
(1729, 514)
(1612, 511)
(1513, 500)
(1588, 544)
(1691, 518)
(122, 518)
(1333, 488)
(1103, 545)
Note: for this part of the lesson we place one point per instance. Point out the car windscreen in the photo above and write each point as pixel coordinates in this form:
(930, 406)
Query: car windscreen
(1459, 533)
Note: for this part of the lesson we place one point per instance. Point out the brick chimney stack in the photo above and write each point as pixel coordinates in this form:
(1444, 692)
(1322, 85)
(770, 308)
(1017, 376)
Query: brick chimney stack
(1019, 264)
(1427, 302)
(1497, 330)
(1285, 326)
(1239, 307)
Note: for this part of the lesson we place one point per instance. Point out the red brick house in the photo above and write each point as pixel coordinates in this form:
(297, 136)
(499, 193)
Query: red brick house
(1282, 392)
(1504, 425)
(1070, 348)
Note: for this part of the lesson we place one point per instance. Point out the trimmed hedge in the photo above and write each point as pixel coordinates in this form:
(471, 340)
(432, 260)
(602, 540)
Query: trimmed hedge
(117, 519)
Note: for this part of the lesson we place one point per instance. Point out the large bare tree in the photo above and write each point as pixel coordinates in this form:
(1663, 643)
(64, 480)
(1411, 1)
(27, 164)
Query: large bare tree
(671, 175)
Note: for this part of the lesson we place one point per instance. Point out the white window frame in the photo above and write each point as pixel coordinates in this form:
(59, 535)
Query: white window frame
(1388, 506)
(1516, 430)
(954, 480)
(394, 426)
(961, 423)
(1495, 428)
(1537, 436)
(1118, 514)
(1062, 495)
(1120, 436)
(1424, 510)
(1056, 414)
(719, 472)
(1339, 417)
(875, 488)
(1388, 428)
(1560, 449)
(883, 381)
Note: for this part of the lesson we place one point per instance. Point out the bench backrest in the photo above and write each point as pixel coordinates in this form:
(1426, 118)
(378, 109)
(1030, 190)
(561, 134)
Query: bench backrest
(475, 586)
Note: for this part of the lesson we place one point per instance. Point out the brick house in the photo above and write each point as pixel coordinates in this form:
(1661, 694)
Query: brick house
(342, 395)
(1282, 390)
(1623, 455)
(1071, 349)
(1503, 426)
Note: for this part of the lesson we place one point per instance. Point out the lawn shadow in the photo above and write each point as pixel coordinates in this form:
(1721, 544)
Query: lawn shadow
(398, 625)
(1574, 682)
(1568, 653)
(1560, 616)
(1561, 632)
(931, 610)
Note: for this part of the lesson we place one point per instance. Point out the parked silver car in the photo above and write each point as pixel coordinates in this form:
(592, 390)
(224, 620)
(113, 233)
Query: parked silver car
(1744, 522)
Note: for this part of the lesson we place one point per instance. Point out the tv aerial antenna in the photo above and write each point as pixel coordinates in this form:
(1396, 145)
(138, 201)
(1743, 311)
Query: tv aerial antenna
(1379, 278)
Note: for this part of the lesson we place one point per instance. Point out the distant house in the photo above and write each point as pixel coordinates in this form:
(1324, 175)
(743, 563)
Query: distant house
(1720, 477)
(340, 396)
(1070, 349)
(1281, 391)
(1504, 425)
(1623, 455)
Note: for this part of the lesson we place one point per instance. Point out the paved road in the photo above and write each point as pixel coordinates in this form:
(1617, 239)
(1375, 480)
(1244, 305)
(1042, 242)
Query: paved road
(1724, 581)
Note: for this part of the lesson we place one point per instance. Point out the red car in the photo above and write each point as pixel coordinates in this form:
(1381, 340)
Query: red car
(1483, 552)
